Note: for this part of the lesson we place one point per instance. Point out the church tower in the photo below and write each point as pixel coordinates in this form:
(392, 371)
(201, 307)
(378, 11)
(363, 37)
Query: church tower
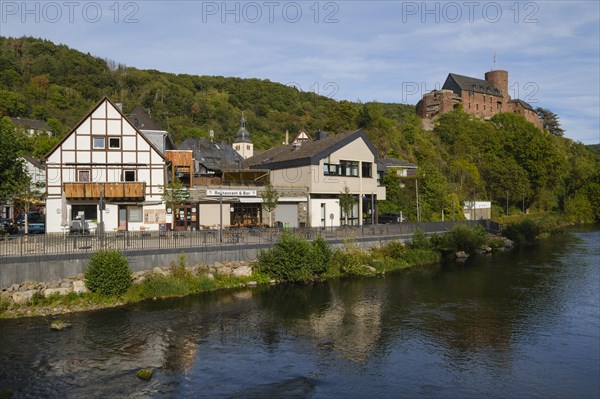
(242, 144)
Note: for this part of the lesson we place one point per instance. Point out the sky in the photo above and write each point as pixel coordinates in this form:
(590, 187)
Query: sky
(389, 51)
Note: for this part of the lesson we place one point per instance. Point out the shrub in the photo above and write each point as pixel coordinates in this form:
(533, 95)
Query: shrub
(108, 273)
(178, 270)
(419, 240)
(393, 250)
(321, 254)
(464, 238)
(351, 260)
(292, 259)
(523, 232)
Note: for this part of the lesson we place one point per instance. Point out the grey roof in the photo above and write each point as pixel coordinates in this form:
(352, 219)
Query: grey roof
(30, 123)
(141, 120)
(306, 153)
(214, 156)
(397, 163)
(34, 161)
(522, 103)
(243, 136)
(153, 132)
(467, 83)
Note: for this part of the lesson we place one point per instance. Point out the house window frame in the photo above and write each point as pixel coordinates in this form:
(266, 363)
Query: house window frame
(135, 214)
(366, 166)
(96, 137)
(348, 168)
(110, 147)
(89, 175)
(125, 172)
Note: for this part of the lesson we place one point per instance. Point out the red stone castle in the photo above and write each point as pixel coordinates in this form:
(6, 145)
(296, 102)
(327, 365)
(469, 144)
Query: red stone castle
(484, 98)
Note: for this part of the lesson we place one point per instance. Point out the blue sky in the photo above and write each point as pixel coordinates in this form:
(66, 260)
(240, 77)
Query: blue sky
(391, 51)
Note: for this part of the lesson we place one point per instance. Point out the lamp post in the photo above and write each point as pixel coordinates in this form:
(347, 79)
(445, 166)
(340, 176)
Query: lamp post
(418, 208)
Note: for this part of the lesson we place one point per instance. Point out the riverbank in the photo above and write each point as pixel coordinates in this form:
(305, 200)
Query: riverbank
(177, 280)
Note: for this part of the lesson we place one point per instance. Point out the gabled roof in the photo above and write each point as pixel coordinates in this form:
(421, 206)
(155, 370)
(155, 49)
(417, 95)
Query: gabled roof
(467, 83)
(522, 103)
(34, 161)
(305, 153)
(140, 119)
(30, 123)
(214, 156)
(89, 115)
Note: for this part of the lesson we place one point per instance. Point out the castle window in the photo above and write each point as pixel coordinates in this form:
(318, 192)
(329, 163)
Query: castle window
(484, 107)
(477, 107)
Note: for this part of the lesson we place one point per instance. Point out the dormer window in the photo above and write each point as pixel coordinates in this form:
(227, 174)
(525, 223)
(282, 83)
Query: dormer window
(129, 175)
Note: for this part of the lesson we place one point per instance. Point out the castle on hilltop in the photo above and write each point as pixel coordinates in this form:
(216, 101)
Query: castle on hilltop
(484, 98)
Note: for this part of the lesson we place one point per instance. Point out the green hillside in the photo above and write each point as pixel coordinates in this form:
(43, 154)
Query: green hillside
(461, 159)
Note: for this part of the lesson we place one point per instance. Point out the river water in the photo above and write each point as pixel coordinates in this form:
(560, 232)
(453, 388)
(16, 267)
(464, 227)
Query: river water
(512, 325)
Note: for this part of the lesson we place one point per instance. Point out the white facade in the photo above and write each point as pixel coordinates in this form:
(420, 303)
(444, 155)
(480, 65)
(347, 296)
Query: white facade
(352, 165)
(105, 148)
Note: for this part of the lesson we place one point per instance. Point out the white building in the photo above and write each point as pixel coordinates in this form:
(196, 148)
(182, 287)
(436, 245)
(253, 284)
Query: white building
(105, 156)
(323, 168)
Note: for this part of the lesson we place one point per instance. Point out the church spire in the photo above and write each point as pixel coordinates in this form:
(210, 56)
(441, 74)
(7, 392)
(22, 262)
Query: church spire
(242, 144)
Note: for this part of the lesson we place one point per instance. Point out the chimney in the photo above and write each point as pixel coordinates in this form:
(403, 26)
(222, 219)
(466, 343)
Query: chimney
(287, 137)
(296, 145)
(320, 135)
(119, 106)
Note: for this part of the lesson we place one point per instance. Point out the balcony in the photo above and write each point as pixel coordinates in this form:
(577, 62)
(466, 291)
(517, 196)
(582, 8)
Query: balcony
(118, 190)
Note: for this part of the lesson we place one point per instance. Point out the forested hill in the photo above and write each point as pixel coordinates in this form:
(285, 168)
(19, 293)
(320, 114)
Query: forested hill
(42, 80)
(506, 160)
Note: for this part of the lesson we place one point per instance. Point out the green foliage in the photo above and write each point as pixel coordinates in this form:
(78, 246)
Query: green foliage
(293, 259)
(108, 273)
(347, 202)
(13, 177)
(578, 208)
(464, 238)
(351, 260)
(270, 198)
(419, 240)
(322, 254)
(523, 232)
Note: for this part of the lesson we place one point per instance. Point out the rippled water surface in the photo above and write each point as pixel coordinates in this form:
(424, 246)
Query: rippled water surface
(519, 324)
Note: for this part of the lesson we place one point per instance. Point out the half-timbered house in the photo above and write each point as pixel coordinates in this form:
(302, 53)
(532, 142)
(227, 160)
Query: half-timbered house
(106, 170)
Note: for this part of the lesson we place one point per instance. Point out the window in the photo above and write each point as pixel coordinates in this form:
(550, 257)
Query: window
(367, 169)
(477, 107)
(380, 178)
(248, 147)
(349, 168)
(330, 169)
(114, 143)
(83, 176)
(98, 142)
(84, 212)
(135, 214)
(129, 175)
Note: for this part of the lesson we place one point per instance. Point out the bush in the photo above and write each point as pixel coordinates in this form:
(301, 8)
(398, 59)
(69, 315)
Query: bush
(108, 273)
(293, 259)
(464, 238)
(419, 240)
(351, 260)
(321, 254)
(523, 232)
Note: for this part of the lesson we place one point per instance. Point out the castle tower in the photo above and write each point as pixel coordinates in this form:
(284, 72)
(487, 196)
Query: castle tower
(499, 79)
(242, 144)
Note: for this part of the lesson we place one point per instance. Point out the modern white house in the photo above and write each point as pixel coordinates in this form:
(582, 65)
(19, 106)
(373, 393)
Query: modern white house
(106, 170)
(323, 168)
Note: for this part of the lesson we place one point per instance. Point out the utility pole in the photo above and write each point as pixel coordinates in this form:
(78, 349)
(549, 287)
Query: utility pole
(418, 209)
(221, 215)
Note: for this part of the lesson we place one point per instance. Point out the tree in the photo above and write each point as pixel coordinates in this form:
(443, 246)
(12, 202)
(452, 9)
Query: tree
(550, 121)
(174, 194)
(347, 201)
(270, 199)
(13, 177)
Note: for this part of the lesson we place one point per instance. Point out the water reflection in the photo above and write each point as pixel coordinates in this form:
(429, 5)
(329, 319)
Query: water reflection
(484, 328)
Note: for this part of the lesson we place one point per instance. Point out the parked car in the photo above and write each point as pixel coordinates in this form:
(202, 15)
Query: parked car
(8, 226)
(36, 223)
(391, 218)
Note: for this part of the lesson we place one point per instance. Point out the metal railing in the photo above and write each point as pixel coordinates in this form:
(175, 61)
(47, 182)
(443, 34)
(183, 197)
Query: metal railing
(14, 247)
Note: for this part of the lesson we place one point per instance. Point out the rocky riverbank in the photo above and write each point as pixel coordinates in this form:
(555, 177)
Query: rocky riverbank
(30, 292)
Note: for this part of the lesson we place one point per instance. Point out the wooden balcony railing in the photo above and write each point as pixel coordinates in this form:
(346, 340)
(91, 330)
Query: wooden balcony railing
(117, 190)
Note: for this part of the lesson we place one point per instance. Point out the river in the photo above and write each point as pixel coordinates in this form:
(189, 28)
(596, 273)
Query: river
(516, 324)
